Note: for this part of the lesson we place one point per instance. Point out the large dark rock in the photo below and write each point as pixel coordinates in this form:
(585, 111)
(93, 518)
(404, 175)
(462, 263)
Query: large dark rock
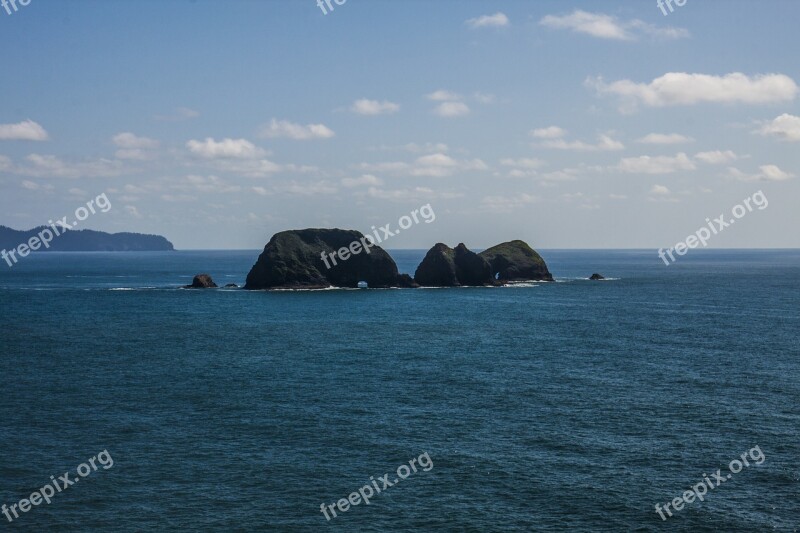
(438, 269)
(516, 261)
(445, 267)
(293, 259)
(202, 281)
(597, 277)
(471, 268)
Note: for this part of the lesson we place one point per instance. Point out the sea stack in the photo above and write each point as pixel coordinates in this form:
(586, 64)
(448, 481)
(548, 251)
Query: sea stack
(321, 258)
(516, 261)
(446, 267)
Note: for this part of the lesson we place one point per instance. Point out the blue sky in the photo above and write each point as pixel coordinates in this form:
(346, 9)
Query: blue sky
(566, 124)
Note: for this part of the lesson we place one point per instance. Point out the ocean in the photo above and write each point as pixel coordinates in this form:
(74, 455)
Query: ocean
(569, 406)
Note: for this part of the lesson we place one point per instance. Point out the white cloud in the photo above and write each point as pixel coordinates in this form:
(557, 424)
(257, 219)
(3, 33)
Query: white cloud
(261, 191)
(30, 185)
(660, 190)
(681, 88)
(717, 157)
(209, 184)
(451, 109)
(133, 211)
(27, 130)
(608, 27)
(129, 140)
(5, 163)
(50, 166)
(605, 144)
(405, 195)
(664, 138)
(503, 204)
(436, 165)
(298, 132)
(552, 132)
(134, 147)
(306, 189)
(766, 173)
(366, 179)
(498, 20)
(443, 95)
(485, 98)
(785, 127)
(655, 165)
(224, 149)
(374, 107)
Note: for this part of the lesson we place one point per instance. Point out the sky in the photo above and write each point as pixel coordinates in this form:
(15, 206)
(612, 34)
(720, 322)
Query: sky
(568, 124)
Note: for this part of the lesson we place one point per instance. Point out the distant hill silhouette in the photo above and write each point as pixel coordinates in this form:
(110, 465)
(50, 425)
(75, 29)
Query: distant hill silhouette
(86, 241)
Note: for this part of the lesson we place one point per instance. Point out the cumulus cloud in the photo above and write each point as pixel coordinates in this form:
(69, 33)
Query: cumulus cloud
(436, 165)
(364, 180)
(50, 166)
(26, 130)
(716, 157)
(503, 204)
(681, 88)
(785, 127)
(224, 149)
(134, 147)
(660, 190)
(498, 20)
(298, 132)
(452, 109)
(605, 26)
(552, 132)
(655, 165)
(664, 138)
(766, 173)
(374, 107)
(604, 144)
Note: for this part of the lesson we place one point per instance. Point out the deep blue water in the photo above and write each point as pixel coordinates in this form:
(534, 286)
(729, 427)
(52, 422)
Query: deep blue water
(571, 406)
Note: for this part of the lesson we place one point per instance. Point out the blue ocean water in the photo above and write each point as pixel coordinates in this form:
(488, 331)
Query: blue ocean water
(569, 406)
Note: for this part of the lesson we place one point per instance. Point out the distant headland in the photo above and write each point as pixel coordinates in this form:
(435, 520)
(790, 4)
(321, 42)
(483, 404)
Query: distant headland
(85, 241)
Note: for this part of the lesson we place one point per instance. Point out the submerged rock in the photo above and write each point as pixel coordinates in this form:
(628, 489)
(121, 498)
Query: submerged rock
(516, 261)
(202, 281)
(445, 267)
(320, 258)
(596, 277)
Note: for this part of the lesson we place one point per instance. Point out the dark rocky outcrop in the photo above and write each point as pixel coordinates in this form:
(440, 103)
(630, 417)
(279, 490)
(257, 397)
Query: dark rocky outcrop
(231, 286)
(516, 261)
(438, 269)
(445, 267)
(202, 281)
(597, 277)
(404, 281)
(294, 260)
(472, 269)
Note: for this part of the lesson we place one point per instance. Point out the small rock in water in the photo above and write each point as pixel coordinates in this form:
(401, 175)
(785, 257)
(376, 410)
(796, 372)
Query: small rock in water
(202, 281)
(597, 276)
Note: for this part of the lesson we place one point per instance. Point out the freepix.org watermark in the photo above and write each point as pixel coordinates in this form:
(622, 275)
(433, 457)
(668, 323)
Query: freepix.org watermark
(715, 227)
(367, 241)
(58, 485)
(664, 4)
(700, 490)
(366, 492)
(8, 5)
(46, 236)
(329, 3)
